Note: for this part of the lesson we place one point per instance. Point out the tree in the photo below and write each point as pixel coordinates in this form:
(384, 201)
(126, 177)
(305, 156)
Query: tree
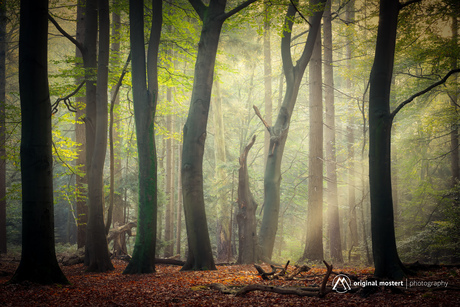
(38, 259)
(80, 181)
(386, 259)
(246, 216)
(335, 243)
(97, 254)
(212, 16)
(145, 98)
(314, 237)
(278, 132)
(3, 22)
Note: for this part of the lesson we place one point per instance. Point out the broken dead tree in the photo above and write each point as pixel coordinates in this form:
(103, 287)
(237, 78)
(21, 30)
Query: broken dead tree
(281, 272)
(116, 234)
(300, 291)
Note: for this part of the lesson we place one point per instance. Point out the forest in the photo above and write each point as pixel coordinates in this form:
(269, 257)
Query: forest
(211, 148)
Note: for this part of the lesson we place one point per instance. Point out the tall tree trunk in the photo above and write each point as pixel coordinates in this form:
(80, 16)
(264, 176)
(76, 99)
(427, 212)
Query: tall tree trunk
(352, 223)
(3, 44)
(145, 99)
(179, 204)
(386, 259)
(246, 217)
(335, 244)
(454, 156)
(118, 204)
(267, 78)
(80, 137)
(279, 132)
(213, 16)
(96, 240)
(224, 251)
(38, 259)
(169, 212)
(314, 238)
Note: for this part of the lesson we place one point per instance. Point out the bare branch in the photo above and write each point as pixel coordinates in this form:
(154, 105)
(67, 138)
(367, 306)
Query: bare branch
(238, 8)
(63, 32)
(66, 99)
(429, 88)
(301, 15)
(261, 118)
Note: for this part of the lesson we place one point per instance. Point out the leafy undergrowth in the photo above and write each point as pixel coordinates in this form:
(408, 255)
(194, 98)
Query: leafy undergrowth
(170, 287)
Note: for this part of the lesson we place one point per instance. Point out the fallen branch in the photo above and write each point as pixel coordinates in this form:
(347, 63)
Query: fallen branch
(322, 291)
(296, 291)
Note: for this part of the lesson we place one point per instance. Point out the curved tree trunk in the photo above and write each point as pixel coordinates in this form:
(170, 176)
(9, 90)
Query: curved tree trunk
(386, 259)
(279, 132)
(38, 259)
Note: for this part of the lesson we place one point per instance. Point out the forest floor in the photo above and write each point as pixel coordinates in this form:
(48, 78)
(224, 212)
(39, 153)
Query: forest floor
(170, 287)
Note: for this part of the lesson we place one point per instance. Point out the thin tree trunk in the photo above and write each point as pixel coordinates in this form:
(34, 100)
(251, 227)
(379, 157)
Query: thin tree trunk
(3, 44)
(454, 128)
(80, 137)
(352, 223)
(96, 240)
(38, 259)
(223, 205)
(169, 221)
(335, 244)
(314, 238)
(179, 204)
(267, 78)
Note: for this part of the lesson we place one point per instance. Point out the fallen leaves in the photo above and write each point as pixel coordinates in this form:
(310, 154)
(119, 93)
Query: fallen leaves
(171, 287)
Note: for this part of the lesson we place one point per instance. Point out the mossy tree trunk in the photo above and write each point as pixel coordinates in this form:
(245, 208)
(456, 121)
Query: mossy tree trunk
(145, 99)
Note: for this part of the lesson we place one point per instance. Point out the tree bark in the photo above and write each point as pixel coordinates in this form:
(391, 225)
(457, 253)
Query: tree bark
(267, 78)
(169, 212)
(314, 237)
(352, 222)
(3, 44)
(335, 244)
(38, 258)
(80, 138)
(145, 98)
(278, 132)
(97, 251)
(454, 158)
(224, 251)
(247, 223)
(386, 259)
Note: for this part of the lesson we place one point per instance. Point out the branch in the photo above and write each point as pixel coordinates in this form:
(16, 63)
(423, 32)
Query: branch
(260, 116)
(66, 99)
(429, 88)
(120, 80)
(301, 15)
(322, 290)
(403, 5)
(199, 7)
(238, 8)
(63, 32)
